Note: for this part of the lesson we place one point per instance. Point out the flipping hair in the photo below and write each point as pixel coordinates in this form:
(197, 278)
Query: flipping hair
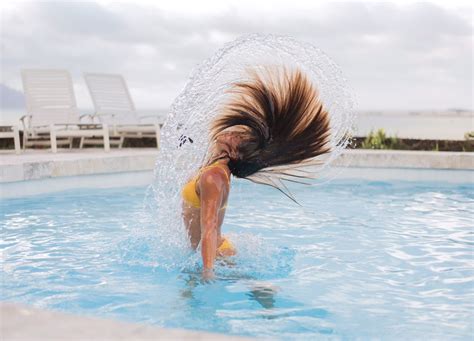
(287, 127)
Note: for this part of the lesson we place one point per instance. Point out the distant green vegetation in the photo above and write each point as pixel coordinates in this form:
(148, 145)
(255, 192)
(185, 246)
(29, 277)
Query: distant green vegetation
(379, 140)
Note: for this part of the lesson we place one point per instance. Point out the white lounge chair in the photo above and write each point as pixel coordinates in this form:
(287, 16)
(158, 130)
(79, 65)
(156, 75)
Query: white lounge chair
(52, 111)
(114, 106)
(11, 132)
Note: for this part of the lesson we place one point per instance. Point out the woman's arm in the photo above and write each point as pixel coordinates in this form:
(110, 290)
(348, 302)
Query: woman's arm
(211, 186)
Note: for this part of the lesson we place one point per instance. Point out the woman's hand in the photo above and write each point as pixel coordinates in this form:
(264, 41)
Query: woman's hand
(208, 275)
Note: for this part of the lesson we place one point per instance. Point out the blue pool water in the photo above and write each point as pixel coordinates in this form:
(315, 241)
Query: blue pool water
(359, 260)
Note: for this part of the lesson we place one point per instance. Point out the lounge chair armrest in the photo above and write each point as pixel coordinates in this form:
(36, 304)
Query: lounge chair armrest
(25, 120)
(110, 117)
(86, 116)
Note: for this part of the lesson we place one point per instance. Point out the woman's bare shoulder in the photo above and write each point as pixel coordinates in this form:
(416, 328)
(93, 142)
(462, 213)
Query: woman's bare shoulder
(213, 175)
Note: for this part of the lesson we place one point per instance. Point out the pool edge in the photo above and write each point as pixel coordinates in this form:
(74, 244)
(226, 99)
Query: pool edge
(42, 172)
(20, 322)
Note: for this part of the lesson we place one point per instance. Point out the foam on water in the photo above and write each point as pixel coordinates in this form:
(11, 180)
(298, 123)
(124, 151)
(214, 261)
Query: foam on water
(184, 138)
(256, 258)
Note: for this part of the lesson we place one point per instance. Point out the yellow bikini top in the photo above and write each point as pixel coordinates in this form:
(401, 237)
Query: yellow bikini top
(189, 190)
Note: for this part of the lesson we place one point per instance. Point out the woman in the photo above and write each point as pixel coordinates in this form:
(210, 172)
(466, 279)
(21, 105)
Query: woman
(274, 123)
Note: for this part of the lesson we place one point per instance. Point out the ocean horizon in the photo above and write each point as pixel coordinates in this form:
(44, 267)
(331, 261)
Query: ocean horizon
(450, 124)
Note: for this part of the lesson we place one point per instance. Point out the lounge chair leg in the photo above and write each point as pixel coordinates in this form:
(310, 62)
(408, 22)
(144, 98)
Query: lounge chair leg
(25, 138)
(70, 142)
(81, 144)
(105, 130)
(16, 139)
(52, 135)
(121, 142)
(158, 135)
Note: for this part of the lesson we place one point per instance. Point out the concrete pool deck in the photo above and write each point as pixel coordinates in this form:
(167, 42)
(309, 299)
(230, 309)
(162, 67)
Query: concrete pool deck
(40, 164)
(25, 323)
(40, 171)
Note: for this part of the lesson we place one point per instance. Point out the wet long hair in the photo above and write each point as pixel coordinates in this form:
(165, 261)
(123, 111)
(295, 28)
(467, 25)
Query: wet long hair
(285, 123)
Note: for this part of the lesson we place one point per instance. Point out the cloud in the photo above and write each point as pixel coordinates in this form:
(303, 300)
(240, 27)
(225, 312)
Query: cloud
(395, 57)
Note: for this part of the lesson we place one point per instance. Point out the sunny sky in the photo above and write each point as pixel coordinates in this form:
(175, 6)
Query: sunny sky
(396, 56)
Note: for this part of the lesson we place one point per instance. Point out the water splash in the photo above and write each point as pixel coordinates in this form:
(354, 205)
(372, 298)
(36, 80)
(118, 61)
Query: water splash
(184, 138)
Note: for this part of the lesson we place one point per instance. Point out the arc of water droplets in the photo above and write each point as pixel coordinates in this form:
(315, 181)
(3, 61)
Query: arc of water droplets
(184, 140)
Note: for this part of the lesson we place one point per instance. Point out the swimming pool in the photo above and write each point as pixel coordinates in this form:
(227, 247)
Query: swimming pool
(361, 259)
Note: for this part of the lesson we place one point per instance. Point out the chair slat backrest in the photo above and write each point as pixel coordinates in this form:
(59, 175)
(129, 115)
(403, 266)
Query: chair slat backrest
(49, 96)
(111, 96)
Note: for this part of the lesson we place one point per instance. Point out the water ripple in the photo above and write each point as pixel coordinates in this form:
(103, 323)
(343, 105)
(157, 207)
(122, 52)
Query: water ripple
(360, 260)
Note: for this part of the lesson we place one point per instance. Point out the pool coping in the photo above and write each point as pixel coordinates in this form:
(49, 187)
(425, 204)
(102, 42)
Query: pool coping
(406, 159)
(40, 172)
(19, 322)
(35, 165)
